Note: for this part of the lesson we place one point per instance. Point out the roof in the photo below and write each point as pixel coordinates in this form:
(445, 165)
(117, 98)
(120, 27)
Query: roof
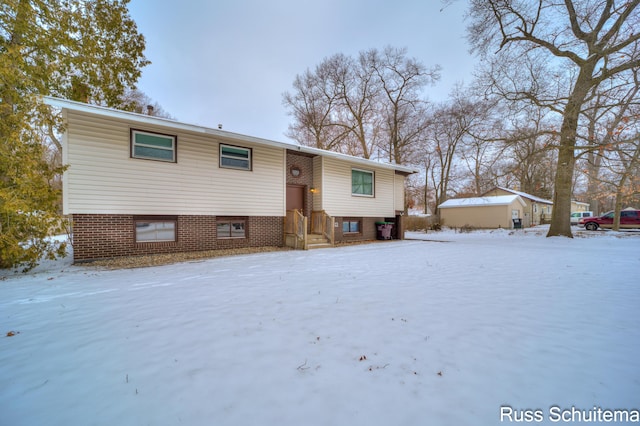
(580, 203)
(173, 124)
(498, 200)
(525, 195)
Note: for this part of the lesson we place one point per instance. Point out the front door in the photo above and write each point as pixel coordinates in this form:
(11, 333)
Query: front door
(295, 197)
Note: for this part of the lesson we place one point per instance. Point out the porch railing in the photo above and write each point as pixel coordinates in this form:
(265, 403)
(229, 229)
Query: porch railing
(322, 223)
(295, 225)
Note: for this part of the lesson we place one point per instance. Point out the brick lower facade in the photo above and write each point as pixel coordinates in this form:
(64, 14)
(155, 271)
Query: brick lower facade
(368, 228)
(100, 236)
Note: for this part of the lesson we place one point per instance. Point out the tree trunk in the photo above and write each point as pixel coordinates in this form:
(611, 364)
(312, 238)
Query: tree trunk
(561, 216)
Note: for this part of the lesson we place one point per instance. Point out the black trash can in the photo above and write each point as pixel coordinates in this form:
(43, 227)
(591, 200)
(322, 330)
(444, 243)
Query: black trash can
(517, 223)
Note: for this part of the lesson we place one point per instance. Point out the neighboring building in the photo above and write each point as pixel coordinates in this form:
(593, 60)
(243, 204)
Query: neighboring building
(577, 206)
(482, 212)
(537, 210)
(138, 184)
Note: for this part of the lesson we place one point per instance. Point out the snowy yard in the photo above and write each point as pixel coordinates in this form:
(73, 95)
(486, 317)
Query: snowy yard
(438, 332)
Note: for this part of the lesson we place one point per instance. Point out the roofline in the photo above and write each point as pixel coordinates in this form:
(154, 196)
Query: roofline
(516, 197)
(522, 194)
(173, 124)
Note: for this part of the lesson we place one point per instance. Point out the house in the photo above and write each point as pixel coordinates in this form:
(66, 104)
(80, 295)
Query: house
(537, 211)
(138, 184)
(577, 206)
(482, 212)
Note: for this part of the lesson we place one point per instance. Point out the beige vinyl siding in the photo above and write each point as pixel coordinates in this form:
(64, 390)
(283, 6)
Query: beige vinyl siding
(497, 216)
(336, 190)
(103, 178)
(399, 192)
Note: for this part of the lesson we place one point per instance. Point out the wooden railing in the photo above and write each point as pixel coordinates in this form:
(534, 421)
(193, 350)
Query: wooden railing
(295, 224)
(322, 223)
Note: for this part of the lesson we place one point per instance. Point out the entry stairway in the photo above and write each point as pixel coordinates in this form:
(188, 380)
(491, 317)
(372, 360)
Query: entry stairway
(315, 241)
(296, 225)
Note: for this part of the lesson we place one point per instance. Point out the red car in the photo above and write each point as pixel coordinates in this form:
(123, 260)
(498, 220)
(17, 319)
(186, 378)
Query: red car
(629, 219)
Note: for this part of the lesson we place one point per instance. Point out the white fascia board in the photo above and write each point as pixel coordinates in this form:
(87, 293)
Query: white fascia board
(237, 137)
(158, 121)
(363, 161)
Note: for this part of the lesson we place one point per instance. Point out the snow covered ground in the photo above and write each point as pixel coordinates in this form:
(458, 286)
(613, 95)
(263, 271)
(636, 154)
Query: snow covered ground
(444, 329)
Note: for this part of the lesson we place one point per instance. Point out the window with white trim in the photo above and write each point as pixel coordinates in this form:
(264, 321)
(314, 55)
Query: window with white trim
(155, 230)
(153, 146)
(350, 226)
(235, 157)
(362, 183)
(231, 228)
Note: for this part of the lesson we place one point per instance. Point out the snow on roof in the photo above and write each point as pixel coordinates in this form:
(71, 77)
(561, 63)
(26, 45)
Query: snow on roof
(499, 200)
(525, 195)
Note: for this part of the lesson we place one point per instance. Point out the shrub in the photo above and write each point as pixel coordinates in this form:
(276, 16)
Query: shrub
(467, 229)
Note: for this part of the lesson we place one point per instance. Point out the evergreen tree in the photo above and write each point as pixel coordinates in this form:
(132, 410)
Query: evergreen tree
(85, 50)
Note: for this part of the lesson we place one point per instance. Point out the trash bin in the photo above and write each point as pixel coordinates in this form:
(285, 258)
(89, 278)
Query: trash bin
(517, 223)
(384, 230)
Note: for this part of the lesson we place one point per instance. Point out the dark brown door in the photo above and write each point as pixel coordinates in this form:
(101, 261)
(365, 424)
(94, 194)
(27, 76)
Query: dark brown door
(295, 197)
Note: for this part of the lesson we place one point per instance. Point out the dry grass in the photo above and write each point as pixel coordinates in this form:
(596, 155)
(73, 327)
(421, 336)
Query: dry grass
(166, 259)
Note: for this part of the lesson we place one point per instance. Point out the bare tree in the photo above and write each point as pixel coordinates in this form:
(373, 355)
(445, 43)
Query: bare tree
(530, 147)
(140, 102)
(580, 44)
(314, 106)
(610, 108)
(484, 149)
(368, 106)
(403, 110)
(620, 164)
(450, 126)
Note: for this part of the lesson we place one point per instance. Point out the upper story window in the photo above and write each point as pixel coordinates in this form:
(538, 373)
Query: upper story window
(362, 183)
(153, 146)
(235, 157)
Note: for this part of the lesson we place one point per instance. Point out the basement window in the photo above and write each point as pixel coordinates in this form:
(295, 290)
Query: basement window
(350, 226)
(231, 228)
(155, 230)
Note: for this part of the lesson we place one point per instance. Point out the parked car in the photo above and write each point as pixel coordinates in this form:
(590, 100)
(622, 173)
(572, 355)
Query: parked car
(629, 219)
(576, 216)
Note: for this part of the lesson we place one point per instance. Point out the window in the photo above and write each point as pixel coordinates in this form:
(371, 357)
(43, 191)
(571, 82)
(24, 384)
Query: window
(153, 146)
(361, 183)
(234, 157)
(153, 230)
(231, 228)
(350, 226)
(535, 208)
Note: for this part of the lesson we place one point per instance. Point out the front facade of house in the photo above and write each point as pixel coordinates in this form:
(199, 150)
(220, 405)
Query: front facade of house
(482, 212)
(141, 185)
(577, 206)
(537, 210)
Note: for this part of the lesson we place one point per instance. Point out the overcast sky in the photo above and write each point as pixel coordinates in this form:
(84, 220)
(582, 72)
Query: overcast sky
(229, 61)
